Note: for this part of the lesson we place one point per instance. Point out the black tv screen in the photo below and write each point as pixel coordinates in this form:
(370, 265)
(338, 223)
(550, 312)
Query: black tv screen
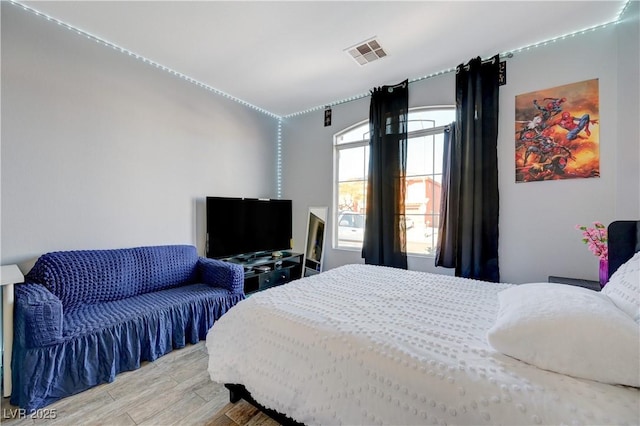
(240, 226)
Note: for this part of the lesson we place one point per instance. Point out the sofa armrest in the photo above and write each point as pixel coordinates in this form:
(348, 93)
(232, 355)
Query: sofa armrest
(221, 274)
(37, 316)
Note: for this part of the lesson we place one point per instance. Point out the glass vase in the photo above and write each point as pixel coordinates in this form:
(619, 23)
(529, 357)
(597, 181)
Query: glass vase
(604, 272)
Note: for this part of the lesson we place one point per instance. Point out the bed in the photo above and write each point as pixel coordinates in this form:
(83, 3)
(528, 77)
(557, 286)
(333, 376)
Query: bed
(363, 344)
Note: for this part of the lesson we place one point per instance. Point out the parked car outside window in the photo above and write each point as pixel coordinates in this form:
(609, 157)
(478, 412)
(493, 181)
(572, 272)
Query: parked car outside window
(351, 226)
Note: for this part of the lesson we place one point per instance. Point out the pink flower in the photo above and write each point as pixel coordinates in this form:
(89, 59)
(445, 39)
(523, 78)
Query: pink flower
(595, 238)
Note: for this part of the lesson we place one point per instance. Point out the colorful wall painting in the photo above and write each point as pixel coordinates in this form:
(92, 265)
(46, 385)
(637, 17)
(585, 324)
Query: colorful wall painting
(557, 133)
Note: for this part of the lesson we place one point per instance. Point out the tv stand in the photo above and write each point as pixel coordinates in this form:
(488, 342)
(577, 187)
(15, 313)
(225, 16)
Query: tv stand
(262, 271)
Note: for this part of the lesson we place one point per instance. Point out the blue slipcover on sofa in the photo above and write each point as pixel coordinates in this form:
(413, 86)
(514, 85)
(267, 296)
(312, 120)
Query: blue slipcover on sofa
(81, 317)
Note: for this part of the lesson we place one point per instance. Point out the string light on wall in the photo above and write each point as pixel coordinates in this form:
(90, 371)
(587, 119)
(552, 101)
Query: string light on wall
(145, 60)
(507, 54)
(623, 10)
(309, 110)
(306, 111)
(324, 106)
(279, 160)
(562, 37)
(448, 70)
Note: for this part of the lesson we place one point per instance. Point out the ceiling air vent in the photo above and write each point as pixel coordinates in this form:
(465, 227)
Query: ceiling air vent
(367, 51)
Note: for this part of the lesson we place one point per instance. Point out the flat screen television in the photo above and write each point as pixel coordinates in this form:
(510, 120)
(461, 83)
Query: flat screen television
(245, 226)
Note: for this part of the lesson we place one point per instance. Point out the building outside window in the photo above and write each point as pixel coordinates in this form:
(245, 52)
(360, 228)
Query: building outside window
(423, 180)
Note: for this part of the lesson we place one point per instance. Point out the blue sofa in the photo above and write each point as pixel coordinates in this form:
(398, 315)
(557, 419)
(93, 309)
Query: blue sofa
(81, 317)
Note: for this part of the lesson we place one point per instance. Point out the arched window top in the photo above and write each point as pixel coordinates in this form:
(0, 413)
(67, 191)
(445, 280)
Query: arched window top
(422, 118)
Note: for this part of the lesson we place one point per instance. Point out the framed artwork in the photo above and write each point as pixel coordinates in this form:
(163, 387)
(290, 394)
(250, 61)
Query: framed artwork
(557, 133)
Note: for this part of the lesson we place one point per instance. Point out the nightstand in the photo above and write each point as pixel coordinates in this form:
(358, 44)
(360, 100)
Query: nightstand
(591, 285)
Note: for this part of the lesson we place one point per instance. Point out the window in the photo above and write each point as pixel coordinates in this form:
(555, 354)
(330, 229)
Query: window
(423, 180)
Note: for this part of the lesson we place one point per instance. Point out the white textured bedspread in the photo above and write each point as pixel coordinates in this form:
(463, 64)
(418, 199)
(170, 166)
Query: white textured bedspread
(367, 345)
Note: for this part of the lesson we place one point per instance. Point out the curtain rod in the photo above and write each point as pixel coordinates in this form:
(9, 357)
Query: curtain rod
(485, 61)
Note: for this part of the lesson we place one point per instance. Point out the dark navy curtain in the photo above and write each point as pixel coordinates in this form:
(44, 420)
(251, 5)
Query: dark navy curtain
(468, 230)
(385, 235)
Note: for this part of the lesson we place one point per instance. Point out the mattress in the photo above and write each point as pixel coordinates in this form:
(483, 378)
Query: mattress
(364, 344)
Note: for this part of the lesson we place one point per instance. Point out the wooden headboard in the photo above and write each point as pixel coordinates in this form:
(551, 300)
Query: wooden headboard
(624, 242)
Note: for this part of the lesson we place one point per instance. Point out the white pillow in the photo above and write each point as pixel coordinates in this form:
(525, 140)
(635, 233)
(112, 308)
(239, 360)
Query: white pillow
(624, 287)
(569, 330)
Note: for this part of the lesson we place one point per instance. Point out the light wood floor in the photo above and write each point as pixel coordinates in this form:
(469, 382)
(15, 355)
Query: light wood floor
(173, 390)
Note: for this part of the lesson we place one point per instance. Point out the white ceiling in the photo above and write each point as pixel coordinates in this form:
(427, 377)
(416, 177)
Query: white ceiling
(288, 56)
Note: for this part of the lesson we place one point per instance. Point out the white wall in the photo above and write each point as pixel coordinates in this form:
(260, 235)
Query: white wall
(628, 158)
(537, 235)
(100, 150)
